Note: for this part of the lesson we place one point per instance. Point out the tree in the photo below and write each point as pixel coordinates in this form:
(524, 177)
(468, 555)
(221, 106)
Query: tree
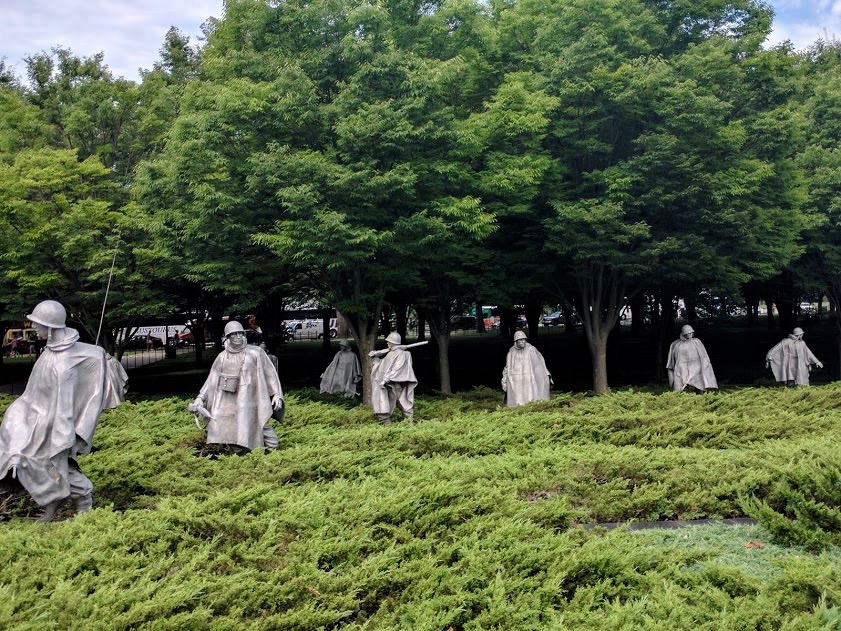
(63, 231)
(654, 134)
(821, 164)
(348, 145)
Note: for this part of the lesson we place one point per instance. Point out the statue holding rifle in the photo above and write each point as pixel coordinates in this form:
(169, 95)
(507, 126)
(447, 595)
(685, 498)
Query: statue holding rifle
(393, 379)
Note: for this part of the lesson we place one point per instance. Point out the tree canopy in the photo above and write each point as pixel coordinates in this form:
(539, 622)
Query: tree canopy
(426, 154)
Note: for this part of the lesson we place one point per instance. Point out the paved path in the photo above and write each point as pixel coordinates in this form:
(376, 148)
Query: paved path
(675, 523)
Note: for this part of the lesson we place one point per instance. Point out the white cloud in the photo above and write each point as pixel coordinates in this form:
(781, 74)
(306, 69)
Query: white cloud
(804, 21)
(128, 33)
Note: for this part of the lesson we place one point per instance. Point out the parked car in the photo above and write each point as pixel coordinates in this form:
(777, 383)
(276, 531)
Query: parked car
(556, 318)
(303, 330)
(463, 323)
(138, 343)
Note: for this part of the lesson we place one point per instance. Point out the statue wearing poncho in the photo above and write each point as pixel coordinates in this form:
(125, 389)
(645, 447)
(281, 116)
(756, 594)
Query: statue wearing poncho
(791, 360)
(53, 421)
(343, 373)
(689, 364)
(393, 380)
(241, 392)
(525, 377)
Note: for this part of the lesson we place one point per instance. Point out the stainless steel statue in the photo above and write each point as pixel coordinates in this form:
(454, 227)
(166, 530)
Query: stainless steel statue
(240, 395)
(393, 379)
(525, 377)
(689, 364)
(343, 373)
(791, 360)
(53, 421)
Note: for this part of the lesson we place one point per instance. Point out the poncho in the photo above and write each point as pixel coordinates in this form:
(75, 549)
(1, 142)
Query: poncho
(791, 360)
(342, 375)
(395, 367)
(238, 417)
(689, 365)
(525, 377)
(55, 418)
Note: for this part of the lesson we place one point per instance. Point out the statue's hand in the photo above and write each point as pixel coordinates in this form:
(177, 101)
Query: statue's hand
(767, 363)
(277, 402)
(819, 365)
(195, 405)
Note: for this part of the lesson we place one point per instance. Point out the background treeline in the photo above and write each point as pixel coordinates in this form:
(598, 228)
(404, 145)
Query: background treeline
(377, 156)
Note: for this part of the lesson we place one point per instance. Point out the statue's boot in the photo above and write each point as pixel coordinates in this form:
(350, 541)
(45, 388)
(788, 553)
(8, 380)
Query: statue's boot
(49, 511)
(84, 503)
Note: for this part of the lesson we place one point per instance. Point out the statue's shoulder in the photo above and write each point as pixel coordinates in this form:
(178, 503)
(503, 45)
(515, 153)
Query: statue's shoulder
(83, 349)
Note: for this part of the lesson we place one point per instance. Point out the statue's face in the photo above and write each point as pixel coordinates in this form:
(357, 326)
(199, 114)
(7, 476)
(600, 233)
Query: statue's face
(688, 336)
(42, 331)
(344, 349)
(521, 344)
(237, 339)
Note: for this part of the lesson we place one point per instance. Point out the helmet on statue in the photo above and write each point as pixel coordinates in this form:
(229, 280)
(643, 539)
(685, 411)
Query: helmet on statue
(233, 327)
(520, 335)
(394, 338)
(49, 313)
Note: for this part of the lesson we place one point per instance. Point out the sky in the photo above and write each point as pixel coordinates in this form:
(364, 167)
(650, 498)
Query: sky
(130, 33)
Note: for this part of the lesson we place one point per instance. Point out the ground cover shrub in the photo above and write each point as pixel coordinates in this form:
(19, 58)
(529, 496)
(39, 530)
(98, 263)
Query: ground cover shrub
(802, 506)
(468, 519)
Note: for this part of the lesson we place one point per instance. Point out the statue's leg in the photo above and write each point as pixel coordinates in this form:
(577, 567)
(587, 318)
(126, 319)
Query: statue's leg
(81, 489)
(49, 511)
(406, 407)
(269, 437)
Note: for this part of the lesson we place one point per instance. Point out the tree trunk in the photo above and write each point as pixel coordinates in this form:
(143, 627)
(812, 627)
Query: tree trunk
(341, 325)
(533, 309)
(769, 308)
(198, 338)
(364, 331)
(401, 308)
(834, 295)
(598, 354)
(507, 324)
(666, 323)
(442, 344)
(325, 330)
(438, 326)
(689, 303)
(421, 326)
(602, 298)
(637, 308)
(785, 304)
(569, 317)
(480, 318)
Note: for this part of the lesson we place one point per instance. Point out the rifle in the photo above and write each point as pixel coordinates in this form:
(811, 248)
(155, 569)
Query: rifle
(198, 411)
(403, 346)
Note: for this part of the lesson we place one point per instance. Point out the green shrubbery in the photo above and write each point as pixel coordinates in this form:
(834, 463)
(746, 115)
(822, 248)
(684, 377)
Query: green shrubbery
(464, 520)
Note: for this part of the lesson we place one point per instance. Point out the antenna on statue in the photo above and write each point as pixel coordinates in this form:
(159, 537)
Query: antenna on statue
(107, 289)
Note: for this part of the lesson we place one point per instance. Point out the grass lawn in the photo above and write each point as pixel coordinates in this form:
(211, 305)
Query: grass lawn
(469, 519)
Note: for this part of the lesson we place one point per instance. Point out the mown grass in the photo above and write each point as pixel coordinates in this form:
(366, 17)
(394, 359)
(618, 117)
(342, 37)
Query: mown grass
(466, 520)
